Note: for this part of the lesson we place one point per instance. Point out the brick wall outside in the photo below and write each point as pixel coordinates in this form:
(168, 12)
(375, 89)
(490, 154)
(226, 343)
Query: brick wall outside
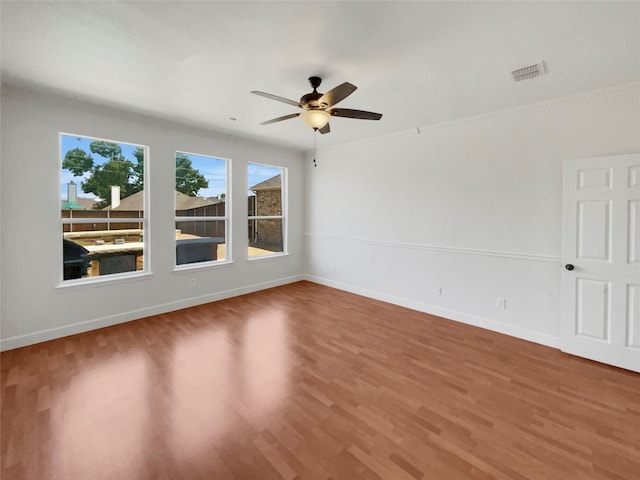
(269, 232)
(269, 202)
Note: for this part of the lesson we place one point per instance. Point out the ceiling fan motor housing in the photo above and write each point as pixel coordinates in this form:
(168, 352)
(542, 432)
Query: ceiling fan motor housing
(310, 100)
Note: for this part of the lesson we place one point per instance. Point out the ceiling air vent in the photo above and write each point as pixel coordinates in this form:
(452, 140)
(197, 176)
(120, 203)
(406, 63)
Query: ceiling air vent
(526, 73)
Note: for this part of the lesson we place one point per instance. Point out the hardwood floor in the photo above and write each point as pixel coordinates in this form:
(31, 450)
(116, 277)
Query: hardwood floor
(308, 382)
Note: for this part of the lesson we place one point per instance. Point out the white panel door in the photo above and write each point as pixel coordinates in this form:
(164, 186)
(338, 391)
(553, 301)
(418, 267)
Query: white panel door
(601, 259)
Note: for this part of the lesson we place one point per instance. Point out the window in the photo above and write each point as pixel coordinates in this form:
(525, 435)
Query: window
(267, 210)
(201, 209)
(102, 207)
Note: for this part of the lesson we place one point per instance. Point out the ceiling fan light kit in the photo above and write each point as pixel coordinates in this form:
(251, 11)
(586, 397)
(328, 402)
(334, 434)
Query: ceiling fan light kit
(315, 118)
(315, 105)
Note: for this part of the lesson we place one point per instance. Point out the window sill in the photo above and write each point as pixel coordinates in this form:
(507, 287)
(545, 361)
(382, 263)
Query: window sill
(272, 256)
(116, 278)
(190, 267)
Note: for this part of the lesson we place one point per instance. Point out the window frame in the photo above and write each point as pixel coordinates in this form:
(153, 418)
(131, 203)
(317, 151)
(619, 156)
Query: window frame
(284, 207)
(226, 218)
(143, 221)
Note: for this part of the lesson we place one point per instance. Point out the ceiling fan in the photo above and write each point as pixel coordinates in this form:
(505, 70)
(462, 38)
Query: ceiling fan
(315, 105)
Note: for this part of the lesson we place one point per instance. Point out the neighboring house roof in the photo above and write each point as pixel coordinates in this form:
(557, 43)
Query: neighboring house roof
(272, 183)
(80, 203)
(183, 202)
(71, 206)
(132, 202)
(88, 203)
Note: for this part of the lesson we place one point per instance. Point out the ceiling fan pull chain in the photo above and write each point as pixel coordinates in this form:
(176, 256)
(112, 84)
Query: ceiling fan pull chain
(315, 148)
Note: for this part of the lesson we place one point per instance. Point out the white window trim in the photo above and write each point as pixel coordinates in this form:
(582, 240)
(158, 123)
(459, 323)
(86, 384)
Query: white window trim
(107, 220)
(266, 217)
(284, 201)
(226, 218)
(200, 219)
(146, 251)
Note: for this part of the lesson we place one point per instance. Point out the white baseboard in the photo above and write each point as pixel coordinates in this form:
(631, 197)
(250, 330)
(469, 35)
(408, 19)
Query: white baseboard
(513, 331)
(81, 327)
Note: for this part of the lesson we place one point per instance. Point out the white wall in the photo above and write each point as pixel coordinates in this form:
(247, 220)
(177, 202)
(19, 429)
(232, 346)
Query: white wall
(33, 309)
(472, 206)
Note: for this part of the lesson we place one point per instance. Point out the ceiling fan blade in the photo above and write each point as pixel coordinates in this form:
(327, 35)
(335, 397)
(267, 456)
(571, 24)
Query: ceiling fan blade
(349, 113)
(325, 129)
(276, 97)
(336, 94)
(279, 119)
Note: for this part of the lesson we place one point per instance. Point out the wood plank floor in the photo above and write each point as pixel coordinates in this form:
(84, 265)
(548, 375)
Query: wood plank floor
(308, 382)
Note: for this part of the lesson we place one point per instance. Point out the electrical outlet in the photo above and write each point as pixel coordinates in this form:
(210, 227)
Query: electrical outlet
(439, 291)
(192, 282)
(501, 303)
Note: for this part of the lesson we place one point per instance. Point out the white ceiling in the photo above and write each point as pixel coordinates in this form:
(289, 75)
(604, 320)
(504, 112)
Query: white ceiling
(418, 63)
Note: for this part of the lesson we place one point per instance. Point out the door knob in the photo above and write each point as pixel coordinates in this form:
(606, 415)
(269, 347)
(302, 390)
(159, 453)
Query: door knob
(568, 266)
